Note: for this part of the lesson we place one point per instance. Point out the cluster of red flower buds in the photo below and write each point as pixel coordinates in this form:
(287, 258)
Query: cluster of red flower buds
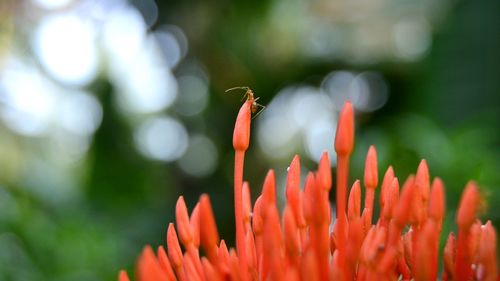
(403, 244)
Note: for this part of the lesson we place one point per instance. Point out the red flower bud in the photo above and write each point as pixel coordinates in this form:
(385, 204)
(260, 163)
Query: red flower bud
(467, 209)
(183, 225)
(371, 168)
(354, 203)
(422, 180)
(324, 175)
(344, 138)
(269, 189)
(386, 183)
(241, 134)
(208, 228)
(437, 201)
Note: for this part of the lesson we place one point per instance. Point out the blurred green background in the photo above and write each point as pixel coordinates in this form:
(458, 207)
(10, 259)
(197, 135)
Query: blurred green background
(109, 110)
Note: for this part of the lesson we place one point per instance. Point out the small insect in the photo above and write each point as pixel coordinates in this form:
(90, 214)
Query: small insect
(255, 107)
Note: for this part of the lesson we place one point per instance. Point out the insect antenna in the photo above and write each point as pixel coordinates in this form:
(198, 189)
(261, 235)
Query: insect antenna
(247, 91)
(238, 88)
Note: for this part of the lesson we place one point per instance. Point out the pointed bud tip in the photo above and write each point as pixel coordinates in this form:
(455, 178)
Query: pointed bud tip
(269, 189)
(173, 246)
(354, 202)
(324, 172)
(183, 225)
(122, 276)
(344, 138)
(293, 180)
(209, 235)
(241, 134)
(422, 180)
(371, 168)
(468, 207)
(293, 171)
(437, 200)
(386, 184)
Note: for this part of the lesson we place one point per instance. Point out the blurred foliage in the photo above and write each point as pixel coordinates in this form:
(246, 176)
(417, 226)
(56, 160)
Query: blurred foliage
(443, 105)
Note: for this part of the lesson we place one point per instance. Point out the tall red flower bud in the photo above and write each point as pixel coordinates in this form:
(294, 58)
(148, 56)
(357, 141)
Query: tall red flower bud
(241, 134)
(344, 143)
(241, 141)
(344, 138)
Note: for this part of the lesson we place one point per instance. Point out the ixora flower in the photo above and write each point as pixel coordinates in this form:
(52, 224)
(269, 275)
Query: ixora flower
(300, 245)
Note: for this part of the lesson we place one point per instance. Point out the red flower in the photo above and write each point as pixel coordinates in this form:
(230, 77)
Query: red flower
(300, 245)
